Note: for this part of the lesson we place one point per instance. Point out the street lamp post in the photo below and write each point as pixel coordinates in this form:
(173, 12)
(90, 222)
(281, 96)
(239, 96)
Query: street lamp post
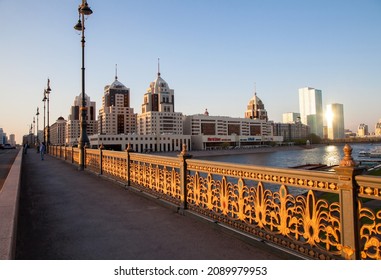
(34, 129)
(44, 100)
(37, 114)
(47, 91)
(83, 10)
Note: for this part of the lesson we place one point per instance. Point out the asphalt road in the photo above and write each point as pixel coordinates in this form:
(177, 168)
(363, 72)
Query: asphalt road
(7, 157)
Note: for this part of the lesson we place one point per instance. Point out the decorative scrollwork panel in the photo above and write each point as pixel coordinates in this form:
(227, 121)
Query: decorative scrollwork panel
(311, 223)
(92, 160)
(370, 232)
(157, 178)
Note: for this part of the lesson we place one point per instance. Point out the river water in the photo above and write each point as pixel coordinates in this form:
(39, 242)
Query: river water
(321, 154)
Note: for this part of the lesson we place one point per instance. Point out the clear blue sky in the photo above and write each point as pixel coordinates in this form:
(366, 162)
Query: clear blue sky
(212, 53)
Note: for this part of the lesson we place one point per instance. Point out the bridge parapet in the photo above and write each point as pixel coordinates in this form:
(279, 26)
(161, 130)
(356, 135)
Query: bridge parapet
(321, 215)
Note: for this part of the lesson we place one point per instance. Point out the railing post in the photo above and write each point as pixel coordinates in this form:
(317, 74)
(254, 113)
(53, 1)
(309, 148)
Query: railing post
(128, 165)
(183, 156)
(348, 200)
(101, 147)
(72, 154)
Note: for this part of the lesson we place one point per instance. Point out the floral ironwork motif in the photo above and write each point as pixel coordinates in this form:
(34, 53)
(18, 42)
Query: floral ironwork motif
(370, 232)
(160, 177)
(305, 220)
(369, 212)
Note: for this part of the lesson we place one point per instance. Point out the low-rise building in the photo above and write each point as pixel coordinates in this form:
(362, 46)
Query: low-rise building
(362, 130)
(210, 132)
(291, 131)
(141, 143)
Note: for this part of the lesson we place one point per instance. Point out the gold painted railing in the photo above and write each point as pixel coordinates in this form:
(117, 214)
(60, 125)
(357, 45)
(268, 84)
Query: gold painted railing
(321, 215)
(369, 214)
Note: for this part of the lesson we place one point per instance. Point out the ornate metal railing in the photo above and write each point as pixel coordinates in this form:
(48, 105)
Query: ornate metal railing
(369, 211)
(157, 175)
(321, 215)
(278, 205)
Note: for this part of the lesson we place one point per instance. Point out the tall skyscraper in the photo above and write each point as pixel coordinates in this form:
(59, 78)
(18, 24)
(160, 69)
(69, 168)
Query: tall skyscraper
(73, 123)
(116, 116)
(335, 121)
(158, 128)
(158, 110)
(311, 109)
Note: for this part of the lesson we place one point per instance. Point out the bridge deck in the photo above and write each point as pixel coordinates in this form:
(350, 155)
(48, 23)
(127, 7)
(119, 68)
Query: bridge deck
(70, 214)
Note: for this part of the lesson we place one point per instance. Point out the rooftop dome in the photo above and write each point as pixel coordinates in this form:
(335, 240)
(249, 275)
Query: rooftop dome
(159, 85)
(255, 100)
(256, 109)
(117, 84)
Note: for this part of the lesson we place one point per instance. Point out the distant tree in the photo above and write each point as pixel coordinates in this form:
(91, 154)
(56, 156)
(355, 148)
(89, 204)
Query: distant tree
(314, 139)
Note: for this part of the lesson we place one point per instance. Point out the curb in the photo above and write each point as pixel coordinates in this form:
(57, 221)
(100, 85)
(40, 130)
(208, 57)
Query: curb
(9, 204)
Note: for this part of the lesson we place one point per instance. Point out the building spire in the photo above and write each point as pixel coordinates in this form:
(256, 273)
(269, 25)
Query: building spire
(116, 71)
(158, 67)
(255, 89)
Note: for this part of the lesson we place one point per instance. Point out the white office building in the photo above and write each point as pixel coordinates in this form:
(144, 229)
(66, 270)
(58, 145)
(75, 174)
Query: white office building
(311, 109)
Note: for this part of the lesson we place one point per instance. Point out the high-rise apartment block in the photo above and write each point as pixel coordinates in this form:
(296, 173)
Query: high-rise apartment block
(116, 116)
(73, 123)
(158, 128)
(311, 109)
(335, 121)
(158, 110)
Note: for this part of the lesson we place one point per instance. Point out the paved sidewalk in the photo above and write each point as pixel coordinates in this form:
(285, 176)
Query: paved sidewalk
(70, 214)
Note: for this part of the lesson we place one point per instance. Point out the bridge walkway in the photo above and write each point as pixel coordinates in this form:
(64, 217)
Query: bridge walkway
(67, 214)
